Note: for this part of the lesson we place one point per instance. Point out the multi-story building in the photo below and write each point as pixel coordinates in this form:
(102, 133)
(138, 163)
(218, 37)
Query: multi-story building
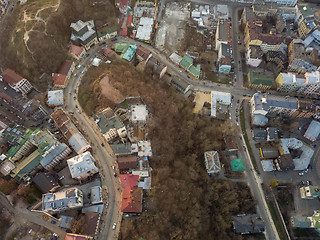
(305, 19)
(110, 125)
(223, 33)
(278, 57)
(306, 222)
(66, 199)
(266, 9)
(83, 34)
(254, 56)
(266, 41)
(288, 3)
(69, 130)
(82, 166)
(15, 81)
(62, 77)
(269, 105)
(290, 82)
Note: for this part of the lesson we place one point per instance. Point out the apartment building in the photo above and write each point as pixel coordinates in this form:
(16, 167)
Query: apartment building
(16, 82)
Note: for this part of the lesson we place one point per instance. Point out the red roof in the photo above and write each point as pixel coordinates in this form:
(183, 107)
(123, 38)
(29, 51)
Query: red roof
(10, 76)
(65, 67)
(76, 50)
(129, 20)
(108, 52)
(71, 236)
(59, 79)
(131, 195)
(124, 32)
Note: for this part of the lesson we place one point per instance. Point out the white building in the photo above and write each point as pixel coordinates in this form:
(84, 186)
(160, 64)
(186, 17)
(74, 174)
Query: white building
(143, 148)
(66, 199)
(55, 98)
(96, 195)
(144, 29)
(220, 98)
(313, 131)
(82, 166)
(254, 56)
(139, 113)
(15, 81)
(212, 161)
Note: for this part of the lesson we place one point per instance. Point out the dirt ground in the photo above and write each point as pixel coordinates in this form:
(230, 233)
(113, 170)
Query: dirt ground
(200, 99)
(171, 29)
(109, 91)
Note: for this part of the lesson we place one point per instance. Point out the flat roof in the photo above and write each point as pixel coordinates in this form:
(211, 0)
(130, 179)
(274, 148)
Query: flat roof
(219, 97)
(55, 97)
(313, 131)
(145, 28)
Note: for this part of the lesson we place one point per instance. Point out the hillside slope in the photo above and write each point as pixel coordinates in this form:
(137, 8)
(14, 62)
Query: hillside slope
(38, 34)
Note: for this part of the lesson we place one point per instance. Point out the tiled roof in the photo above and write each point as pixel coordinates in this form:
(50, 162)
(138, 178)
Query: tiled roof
(127, 162)
(65, 67)
(10, 76)
(59, 79)
(76, 50)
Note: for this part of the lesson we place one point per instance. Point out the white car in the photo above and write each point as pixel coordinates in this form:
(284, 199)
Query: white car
(300, 173)
(114, 226)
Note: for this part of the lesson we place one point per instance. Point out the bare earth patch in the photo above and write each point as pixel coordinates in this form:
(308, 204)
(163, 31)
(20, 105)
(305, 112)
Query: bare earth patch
(109, 91)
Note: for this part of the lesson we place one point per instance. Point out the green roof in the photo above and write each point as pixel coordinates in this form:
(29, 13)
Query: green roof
(260, 79)
(26, 166)
(186, 61)
(305, 9)
(21, 141)
(121, 47)
(131, 50)
(106, 31)
(105, 124)
(237, 165)
(301, 222)
(195, 70)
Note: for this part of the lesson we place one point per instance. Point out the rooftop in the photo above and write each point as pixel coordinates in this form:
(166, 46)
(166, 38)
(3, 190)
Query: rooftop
(313, 131)
(221, 98)
(224, 31)
(212, 162)
(139, 113)
(248, 224)
(144, 29)
(82, 165)
(305, 9)
(55, 97)
(106, 120)
(11, 77)
(267, 101)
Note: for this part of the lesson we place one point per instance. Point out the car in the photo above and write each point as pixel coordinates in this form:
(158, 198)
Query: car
(301, 173)
(235, 80)
(60, 178)
(236, 114)
(308, 183)
(53, 222)
(78, 67)
(239, 61)
(237, 119)
(188, 76)
(238, 101)
(74, 97)
(102, 145)
(114, 226)
(244, 148)
(303, 183)
(306, 170)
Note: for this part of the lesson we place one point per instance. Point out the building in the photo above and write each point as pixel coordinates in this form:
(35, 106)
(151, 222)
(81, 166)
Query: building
(126, 50)
(221, 12)
(247, 14)
(54, 155)
(255, 36)
(306, 222)
(305, 19)
(212, 162)
(6, 167)
(96, 195)
(61, 78)
(266, 106)
(290, 82)
(77, 52)
(123, 149)
(127, 163)
(131, 194)
(139, 113)
(142, 148)
(91, 227)
(264, 10)
(143, 54)
(220, 102)
(309, 192)
(313, 40)
(55, 98)
(82, 166)
(106, 33)
(254, 56)
(144, 29)
(181, 85)
(279, 58)
(248, 224)
(225, 65)
(83, 34)
(110, 124)
(260, 135)
(313, 131)
(288, 3)
(16, 82)
(299, 152)
(186, 62)
(69, 130)
(223, 33)
(46, 182)
(66, 199)
(259, 80)
(176, 58)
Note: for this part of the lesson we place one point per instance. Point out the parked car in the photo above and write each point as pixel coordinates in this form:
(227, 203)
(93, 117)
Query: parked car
(114, 226)
(301, 173)
(53, 222)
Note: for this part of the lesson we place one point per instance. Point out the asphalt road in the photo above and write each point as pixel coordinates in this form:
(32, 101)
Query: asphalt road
(112, 213)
